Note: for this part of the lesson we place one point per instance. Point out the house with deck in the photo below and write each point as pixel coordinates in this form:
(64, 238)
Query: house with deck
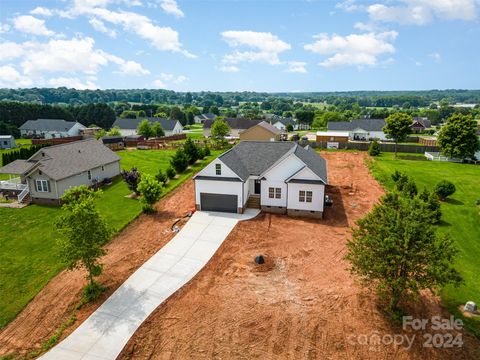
(45, 176)
(276, 176)
(360, 129)
(50, 128)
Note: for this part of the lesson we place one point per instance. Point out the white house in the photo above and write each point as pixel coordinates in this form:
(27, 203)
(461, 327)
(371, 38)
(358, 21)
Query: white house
(360, 129)
(236, 125)
(129, 127)
(200, 119)
(52, 170)
(50, 128)
(279, 176)
(282, 123)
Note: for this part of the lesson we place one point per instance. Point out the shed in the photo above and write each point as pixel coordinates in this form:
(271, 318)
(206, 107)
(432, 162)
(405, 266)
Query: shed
(7, 142)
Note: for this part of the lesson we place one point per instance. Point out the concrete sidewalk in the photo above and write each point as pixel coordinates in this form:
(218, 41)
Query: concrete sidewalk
(104, 334)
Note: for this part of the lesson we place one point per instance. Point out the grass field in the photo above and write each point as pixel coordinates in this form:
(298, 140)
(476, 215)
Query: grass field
(195, 132)
(461, 217)
(28, 259)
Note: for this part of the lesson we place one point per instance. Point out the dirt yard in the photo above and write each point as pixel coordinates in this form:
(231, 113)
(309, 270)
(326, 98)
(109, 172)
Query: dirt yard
(302, 304)
(126, 253)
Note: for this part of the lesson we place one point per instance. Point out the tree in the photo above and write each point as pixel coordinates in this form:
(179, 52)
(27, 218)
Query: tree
(179, 161)
(374, 148)
(100, 133)
(431, 200)
(219, 130)
(115, 131)
(161, 177)
(157, 130)
(84, 233)
(145, 129)
(458, 137)
(177, 114)
(191, 150)
(398, 127)
(132, 178)
(171, 172)
(289, 127)
(444, 189)
(395, 248)
(151, 191)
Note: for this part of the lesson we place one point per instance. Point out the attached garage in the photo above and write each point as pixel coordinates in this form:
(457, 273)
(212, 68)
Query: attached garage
(218, 202)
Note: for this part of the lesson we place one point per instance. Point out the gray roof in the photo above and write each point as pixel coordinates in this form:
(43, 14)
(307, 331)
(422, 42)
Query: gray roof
(423, 121)
(17, 167)
(206, 116)
(47, 125)
(6, 136)
(365, 124)
(269, 127)
(284, 120)
(255, 157)
(235, 123)
(132, 124)
(64, 160)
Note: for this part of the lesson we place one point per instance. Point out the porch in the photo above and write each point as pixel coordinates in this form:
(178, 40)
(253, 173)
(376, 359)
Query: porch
(16, 186)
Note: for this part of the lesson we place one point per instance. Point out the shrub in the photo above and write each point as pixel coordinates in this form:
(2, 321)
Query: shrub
(151, 191)
(444, 189)
(132, 178)
(191, 150)
(206, 150)
(171, 172)
(161, 177)
(431, 200)
(201, 153)
(374, 148)
(179, 161)
(289, 127)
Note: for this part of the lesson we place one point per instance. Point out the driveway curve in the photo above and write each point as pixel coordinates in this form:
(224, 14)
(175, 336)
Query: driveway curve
(104, 334)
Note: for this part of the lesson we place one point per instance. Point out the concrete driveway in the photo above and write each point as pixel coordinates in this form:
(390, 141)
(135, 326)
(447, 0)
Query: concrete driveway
(104, 334)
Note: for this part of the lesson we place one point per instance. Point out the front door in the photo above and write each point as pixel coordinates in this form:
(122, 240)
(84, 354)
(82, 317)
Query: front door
(257, 186)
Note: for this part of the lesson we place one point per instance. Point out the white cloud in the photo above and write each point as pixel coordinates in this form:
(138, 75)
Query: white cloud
(70, 82)
(229, 68)
(354, 49)
(4, 28)
(265, 47)
(133, 68)
(99, 25)
(364, 26)
(10, 50)
(173, 78)
(159, 84)
(348, 5)
(10, 77)
(31, 25)
(436, 56)
(41, 11)
(297, 67)
(421, 12)
(418, 63)
(171, 7)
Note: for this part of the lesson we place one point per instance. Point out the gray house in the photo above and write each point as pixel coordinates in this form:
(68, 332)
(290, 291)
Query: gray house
(360, 129)
(237, 125)
(129, 127)
(7, 142)
(50, 128)
(52, 170)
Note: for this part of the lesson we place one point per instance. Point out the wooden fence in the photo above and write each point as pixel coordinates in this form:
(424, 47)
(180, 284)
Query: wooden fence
(56, 141)
(387, 147)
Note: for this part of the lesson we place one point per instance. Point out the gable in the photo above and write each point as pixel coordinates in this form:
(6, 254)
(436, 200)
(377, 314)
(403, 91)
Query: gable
(210, 170)
(304, 173)
(284, 168)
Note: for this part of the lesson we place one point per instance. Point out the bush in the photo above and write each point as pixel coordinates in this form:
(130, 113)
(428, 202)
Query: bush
(432, 203)
(92, 292)
(374, 148)
(289, 127)
(171, 172)
(201, 153)
(161, 177)
(206, 151)
(151, 191)
(132, 178)
(191, 150)
(444, 189)
(179, 161)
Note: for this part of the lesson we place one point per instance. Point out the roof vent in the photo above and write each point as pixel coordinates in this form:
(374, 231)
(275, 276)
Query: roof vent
(43, 154)
(79, 151)
(259, 260)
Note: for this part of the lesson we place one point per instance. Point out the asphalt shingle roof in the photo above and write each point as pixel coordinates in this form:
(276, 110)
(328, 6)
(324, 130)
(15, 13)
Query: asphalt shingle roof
(270, 127)
(132, 124)
(255, 157)
(47, 125)
(65, 160)
(235, 123)
(365, 124)
(17, 167)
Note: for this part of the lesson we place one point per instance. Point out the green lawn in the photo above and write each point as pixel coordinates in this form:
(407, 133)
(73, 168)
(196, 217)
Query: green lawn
(28, 259)
(461, 217)
(195, 132)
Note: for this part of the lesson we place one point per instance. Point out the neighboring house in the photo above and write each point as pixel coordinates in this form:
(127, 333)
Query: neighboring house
(332, 138)
(280, 177)
(52, 170)
(50, 128)
(200, 119)
(113, 142)
(420, 124)
(282, 122)
(237, 125)
(129, 126)
(262, 131)
(7, 142)
(360, 129)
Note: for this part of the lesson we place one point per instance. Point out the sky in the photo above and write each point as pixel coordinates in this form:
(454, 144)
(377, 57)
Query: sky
(233, 45)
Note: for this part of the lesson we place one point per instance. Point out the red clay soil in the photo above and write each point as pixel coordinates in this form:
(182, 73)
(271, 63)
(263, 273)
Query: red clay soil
(302, 304)
(126, 253)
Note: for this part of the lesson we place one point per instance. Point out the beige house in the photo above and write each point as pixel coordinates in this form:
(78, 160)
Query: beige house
(45, 176)
(261, 132)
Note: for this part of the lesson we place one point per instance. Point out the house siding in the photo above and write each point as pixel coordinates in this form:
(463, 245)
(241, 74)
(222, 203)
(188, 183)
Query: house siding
(258, 133)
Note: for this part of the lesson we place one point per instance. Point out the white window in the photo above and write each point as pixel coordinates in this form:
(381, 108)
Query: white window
(271, 193)
(89, 175)
(218, 169)
(308, 197)
(274, 193)
(278, 193)
(41, 185)
(301, 196)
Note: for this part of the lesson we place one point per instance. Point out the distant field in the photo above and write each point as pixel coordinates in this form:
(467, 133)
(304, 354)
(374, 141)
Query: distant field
(195, 132)
(461, 217)
(28, 259)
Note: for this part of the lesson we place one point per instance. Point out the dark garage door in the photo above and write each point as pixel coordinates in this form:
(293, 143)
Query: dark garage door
(218, 202)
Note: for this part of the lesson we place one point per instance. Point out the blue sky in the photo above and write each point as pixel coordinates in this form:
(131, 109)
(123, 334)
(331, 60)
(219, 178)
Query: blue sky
(223, 45)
